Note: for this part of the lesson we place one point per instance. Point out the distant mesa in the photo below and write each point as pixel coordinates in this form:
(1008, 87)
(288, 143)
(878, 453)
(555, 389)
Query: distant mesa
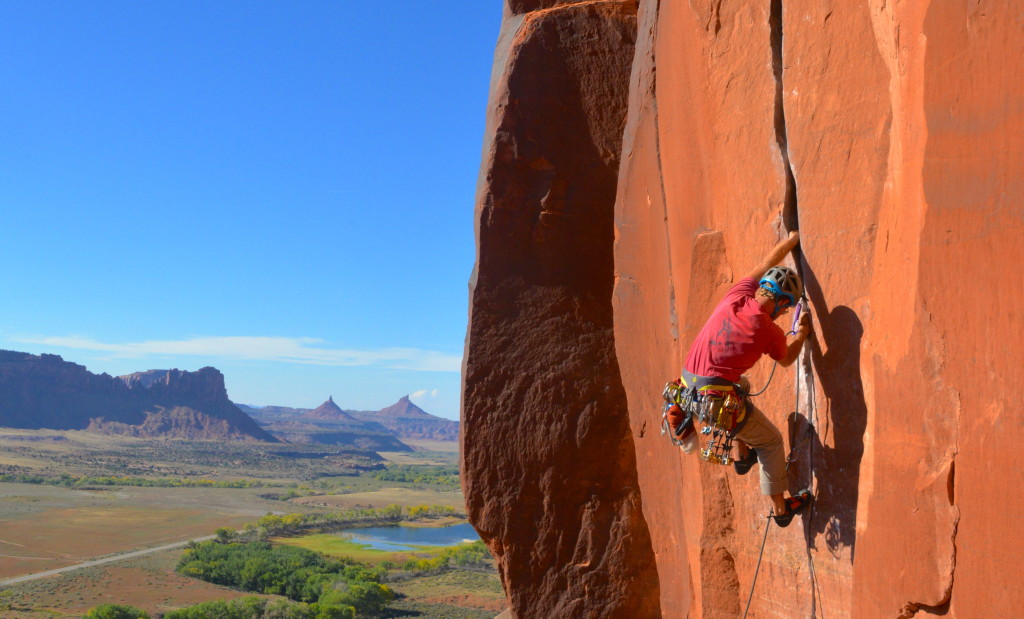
(44, 391)
(326, 424)
(409, 421)
(329, 423)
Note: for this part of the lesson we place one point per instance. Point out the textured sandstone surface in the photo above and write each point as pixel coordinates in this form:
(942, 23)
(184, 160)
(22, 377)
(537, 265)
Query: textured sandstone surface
(891, 134)
(548, 466)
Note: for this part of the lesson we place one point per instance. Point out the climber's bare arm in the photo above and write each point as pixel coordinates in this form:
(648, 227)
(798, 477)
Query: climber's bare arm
(793, 350)
(776, 255)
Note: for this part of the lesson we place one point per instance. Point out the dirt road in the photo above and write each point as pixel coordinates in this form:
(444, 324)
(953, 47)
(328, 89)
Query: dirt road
(101, 561)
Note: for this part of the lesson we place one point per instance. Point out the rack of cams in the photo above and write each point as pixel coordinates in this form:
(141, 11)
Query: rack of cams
(715, 414)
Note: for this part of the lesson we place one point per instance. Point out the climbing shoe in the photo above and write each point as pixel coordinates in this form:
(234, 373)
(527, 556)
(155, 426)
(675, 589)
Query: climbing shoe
(794, 505)
(743, 465)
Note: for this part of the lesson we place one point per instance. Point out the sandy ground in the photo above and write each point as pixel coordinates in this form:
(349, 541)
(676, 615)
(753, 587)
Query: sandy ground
(47, 527)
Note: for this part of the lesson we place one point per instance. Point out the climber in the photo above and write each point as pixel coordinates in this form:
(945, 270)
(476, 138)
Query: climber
(740, 330)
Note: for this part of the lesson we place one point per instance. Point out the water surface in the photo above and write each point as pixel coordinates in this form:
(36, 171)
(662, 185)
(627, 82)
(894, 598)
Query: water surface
(408, 538)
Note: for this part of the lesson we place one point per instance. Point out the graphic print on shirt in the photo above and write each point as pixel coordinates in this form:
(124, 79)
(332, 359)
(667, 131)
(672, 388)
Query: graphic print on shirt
(723, 341)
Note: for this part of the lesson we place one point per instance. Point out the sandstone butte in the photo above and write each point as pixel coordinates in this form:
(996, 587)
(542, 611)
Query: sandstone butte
(638, 157)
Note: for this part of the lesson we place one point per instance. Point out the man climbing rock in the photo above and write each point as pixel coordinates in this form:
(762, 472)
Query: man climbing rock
(742, 329)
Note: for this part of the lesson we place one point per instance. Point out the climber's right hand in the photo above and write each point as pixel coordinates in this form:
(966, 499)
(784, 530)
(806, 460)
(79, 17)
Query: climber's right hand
(805, 326)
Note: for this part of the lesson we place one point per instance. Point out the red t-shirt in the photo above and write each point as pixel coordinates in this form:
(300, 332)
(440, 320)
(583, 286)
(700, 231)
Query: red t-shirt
(736, 336)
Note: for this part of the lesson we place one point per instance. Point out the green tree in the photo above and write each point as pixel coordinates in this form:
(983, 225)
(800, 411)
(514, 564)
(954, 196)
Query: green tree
(368, 598)
(270, 522)
(116, 611)
(393, 511)
(334, 611)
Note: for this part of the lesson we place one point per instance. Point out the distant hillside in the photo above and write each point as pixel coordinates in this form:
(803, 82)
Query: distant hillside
(326, 424)
(407, 420)
(44, 391)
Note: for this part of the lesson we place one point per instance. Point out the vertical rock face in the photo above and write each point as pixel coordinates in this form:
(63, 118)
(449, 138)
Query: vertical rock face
(892, 136)
(548, 464)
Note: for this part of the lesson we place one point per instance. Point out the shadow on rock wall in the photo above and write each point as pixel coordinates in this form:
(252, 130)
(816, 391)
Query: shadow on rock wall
(832, 440)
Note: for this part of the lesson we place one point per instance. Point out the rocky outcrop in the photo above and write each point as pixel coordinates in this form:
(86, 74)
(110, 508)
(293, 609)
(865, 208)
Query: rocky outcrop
(404, 409)
(406, 420)
(360, 435)
(179, 422)
(548, 465)
(329, 411)
(44, 391)
(890, 135)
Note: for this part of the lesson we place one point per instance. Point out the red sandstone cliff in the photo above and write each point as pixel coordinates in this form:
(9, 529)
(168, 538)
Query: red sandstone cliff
(549, 472)
(616, 207)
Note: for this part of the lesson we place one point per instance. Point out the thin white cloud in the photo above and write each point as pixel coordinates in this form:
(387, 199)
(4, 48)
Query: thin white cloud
(423, 393)
(303, 350)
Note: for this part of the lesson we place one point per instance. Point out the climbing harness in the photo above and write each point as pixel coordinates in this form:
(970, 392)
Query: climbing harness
(717, 405)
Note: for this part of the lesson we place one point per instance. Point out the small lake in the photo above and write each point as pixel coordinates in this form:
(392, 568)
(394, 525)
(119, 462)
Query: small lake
(407, 538)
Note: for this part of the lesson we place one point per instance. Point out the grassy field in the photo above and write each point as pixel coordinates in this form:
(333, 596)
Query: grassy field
(47, 526)
(455, 594)
(448, 447)
(148, 582)
(52, 452)
(384, 496)
(427, 452)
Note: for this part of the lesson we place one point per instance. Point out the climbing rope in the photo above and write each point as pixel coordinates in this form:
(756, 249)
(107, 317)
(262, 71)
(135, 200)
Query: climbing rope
(812, 424)
(760, 555)
(796, 405)
(757, 569)
(770, 376)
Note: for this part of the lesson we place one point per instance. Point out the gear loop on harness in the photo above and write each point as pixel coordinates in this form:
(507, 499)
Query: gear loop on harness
(717, 405)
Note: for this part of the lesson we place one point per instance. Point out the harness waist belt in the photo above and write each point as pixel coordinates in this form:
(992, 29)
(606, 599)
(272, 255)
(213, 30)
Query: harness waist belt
(709, 383)
(716, 387)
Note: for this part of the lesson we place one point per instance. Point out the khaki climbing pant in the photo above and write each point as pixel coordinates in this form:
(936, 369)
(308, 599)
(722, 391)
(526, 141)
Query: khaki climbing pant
(761, 434)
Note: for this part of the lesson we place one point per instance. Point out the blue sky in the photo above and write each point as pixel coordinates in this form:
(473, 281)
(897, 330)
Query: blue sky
(282, 190)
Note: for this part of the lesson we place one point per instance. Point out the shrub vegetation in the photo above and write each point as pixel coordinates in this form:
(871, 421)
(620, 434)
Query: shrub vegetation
(116, 611)
(446, 477)
(262, 608)
(296, 573)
